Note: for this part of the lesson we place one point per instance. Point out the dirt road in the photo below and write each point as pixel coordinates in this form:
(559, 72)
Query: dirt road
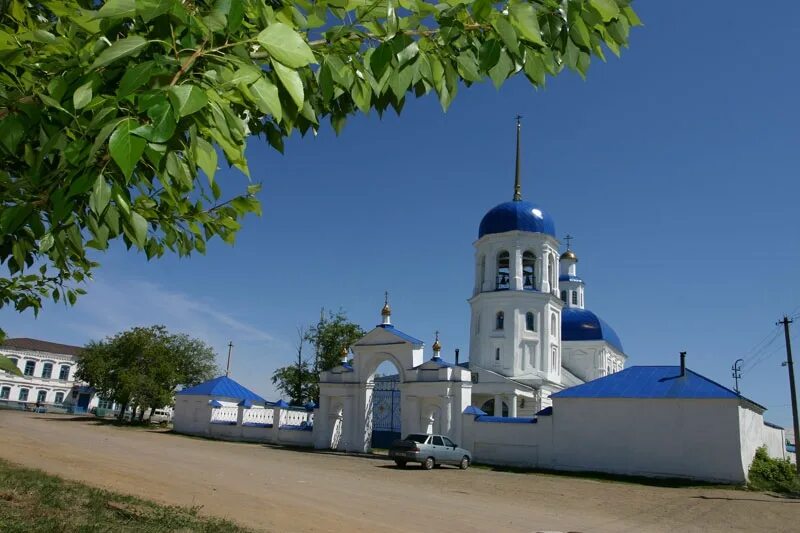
(286, 490)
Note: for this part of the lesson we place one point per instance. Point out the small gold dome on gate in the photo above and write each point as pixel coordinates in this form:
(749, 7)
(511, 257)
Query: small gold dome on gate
(437, 346)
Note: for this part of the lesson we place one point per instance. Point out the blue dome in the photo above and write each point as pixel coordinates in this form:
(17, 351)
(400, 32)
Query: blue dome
(520, 216)
(583, 325)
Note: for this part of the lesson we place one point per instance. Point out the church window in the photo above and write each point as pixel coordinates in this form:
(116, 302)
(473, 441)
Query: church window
(503, 273)
(528, 277)
(500, 320)
(47, 370)
(574, 297)
(29, 367)
(482, 271)
(488, 407)
(497, 354)
(553, 330)
(564, 296)
(551, 267)
(59, 398)
(23, 395)
(530, 323)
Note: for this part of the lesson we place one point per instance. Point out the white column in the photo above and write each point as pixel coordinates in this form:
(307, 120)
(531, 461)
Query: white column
(512, 405)
(515, 268)
(498, 405)
(545, 271)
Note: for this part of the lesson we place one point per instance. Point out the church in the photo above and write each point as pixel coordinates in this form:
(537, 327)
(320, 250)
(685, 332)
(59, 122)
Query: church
(531, 334)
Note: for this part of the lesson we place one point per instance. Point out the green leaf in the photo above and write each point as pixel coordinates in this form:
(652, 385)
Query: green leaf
(82, 95)
(380, 60)
(101, 194)
(507, 34)
(291, 81)
(163, 122)
(286, 45)
(135, 77)
(122, 48)
(126, 148)
(607, 8)
(187, 99)
(139, 226)
(523, 18)
(206, 158)
(499, 73)
(580, 33)
(150, 9)
(489, 54)
(117, 8)
(267, 99)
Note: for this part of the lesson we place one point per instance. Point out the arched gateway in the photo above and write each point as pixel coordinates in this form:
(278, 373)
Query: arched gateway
(432, 393)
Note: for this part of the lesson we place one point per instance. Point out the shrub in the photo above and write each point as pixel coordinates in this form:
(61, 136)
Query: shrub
(777, 475)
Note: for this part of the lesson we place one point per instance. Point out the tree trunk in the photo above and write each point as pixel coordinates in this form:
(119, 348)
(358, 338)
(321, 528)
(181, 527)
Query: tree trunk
(122, 409)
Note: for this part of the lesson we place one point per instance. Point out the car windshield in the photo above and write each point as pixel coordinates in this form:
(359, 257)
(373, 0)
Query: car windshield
(418, 438)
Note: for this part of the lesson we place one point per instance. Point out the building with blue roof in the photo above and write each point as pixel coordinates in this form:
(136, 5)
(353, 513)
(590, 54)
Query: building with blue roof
(531, 334)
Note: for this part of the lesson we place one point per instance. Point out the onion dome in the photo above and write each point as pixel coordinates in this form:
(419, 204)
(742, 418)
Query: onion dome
(583, 325)
(437, 346)
(569, 254)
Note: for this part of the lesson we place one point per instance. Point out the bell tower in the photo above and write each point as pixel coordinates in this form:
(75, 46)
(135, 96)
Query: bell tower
(516, 311)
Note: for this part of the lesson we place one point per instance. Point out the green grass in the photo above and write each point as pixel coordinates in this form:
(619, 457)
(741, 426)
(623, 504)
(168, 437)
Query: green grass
(31, 500)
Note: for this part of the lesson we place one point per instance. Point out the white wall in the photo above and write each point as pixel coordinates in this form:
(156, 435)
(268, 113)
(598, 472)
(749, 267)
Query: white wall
(651, 437)
(526, 445)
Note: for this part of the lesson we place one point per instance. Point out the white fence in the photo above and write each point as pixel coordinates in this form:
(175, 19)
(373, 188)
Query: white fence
(224, 415)
(257, 417)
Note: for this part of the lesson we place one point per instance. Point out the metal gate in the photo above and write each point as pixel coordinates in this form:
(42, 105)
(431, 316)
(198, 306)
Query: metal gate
(385, 411)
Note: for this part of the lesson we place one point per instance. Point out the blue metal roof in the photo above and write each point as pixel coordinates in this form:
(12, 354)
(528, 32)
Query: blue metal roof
(520, 216)
(567, 277)
(223, 387)
(404, 336)
(583, 325)
(651, 382)
(472, 410)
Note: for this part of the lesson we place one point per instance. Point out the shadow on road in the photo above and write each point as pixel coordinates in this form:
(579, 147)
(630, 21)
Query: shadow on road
(778, 498)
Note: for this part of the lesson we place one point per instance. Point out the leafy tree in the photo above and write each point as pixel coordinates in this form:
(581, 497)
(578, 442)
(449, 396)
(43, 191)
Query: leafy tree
(144, 366)
(332, 333)
(298, 382)
(9, 366)
(113, 115)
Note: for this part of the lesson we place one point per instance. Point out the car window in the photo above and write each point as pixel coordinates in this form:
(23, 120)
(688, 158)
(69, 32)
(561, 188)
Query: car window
(448, 442)
(437, 441)
(418, 438)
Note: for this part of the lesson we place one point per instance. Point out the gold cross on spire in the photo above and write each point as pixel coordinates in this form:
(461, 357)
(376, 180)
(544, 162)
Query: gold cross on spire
(568, 238)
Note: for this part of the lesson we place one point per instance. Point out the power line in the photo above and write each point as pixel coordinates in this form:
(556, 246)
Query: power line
(758, 351)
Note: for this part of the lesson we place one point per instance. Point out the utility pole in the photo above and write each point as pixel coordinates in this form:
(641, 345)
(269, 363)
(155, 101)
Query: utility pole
(737, 373)
(790, 364)
(228, 366)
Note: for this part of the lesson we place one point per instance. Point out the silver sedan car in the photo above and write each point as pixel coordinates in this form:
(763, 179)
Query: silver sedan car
(429, 451)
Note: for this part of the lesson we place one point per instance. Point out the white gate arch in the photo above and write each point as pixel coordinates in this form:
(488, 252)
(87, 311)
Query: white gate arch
(431, 388)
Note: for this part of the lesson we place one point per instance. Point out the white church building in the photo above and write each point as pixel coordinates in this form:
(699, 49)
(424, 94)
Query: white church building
(545, 385)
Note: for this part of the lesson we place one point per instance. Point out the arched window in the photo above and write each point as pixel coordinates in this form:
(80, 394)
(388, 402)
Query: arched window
(59, 397)
(551, 268)
(528, 277)
(30, 366)
(574, 297)
(530, 323)
(47, 370)
(481, 271)
(503, 272)
(63, 375)
(499, 320)
(497, 354)
(553, 330)
(564, 296)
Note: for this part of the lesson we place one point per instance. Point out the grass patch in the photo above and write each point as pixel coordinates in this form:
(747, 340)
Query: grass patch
(774, 475)
(31, 500)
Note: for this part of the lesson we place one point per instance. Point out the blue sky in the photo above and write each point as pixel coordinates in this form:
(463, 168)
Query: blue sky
(675, 167)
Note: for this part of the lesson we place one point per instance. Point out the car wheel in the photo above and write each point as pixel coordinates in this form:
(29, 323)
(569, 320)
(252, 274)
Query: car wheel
(399, 463)
(464, 464)
(428, 463)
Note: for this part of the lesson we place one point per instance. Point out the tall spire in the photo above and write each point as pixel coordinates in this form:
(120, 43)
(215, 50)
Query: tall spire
(386, 312)
(517, 185)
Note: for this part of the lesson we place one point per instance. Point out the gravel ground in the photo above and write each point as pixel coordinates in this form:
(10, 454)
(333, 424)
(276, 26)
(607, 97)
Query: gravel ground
(283, 490)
